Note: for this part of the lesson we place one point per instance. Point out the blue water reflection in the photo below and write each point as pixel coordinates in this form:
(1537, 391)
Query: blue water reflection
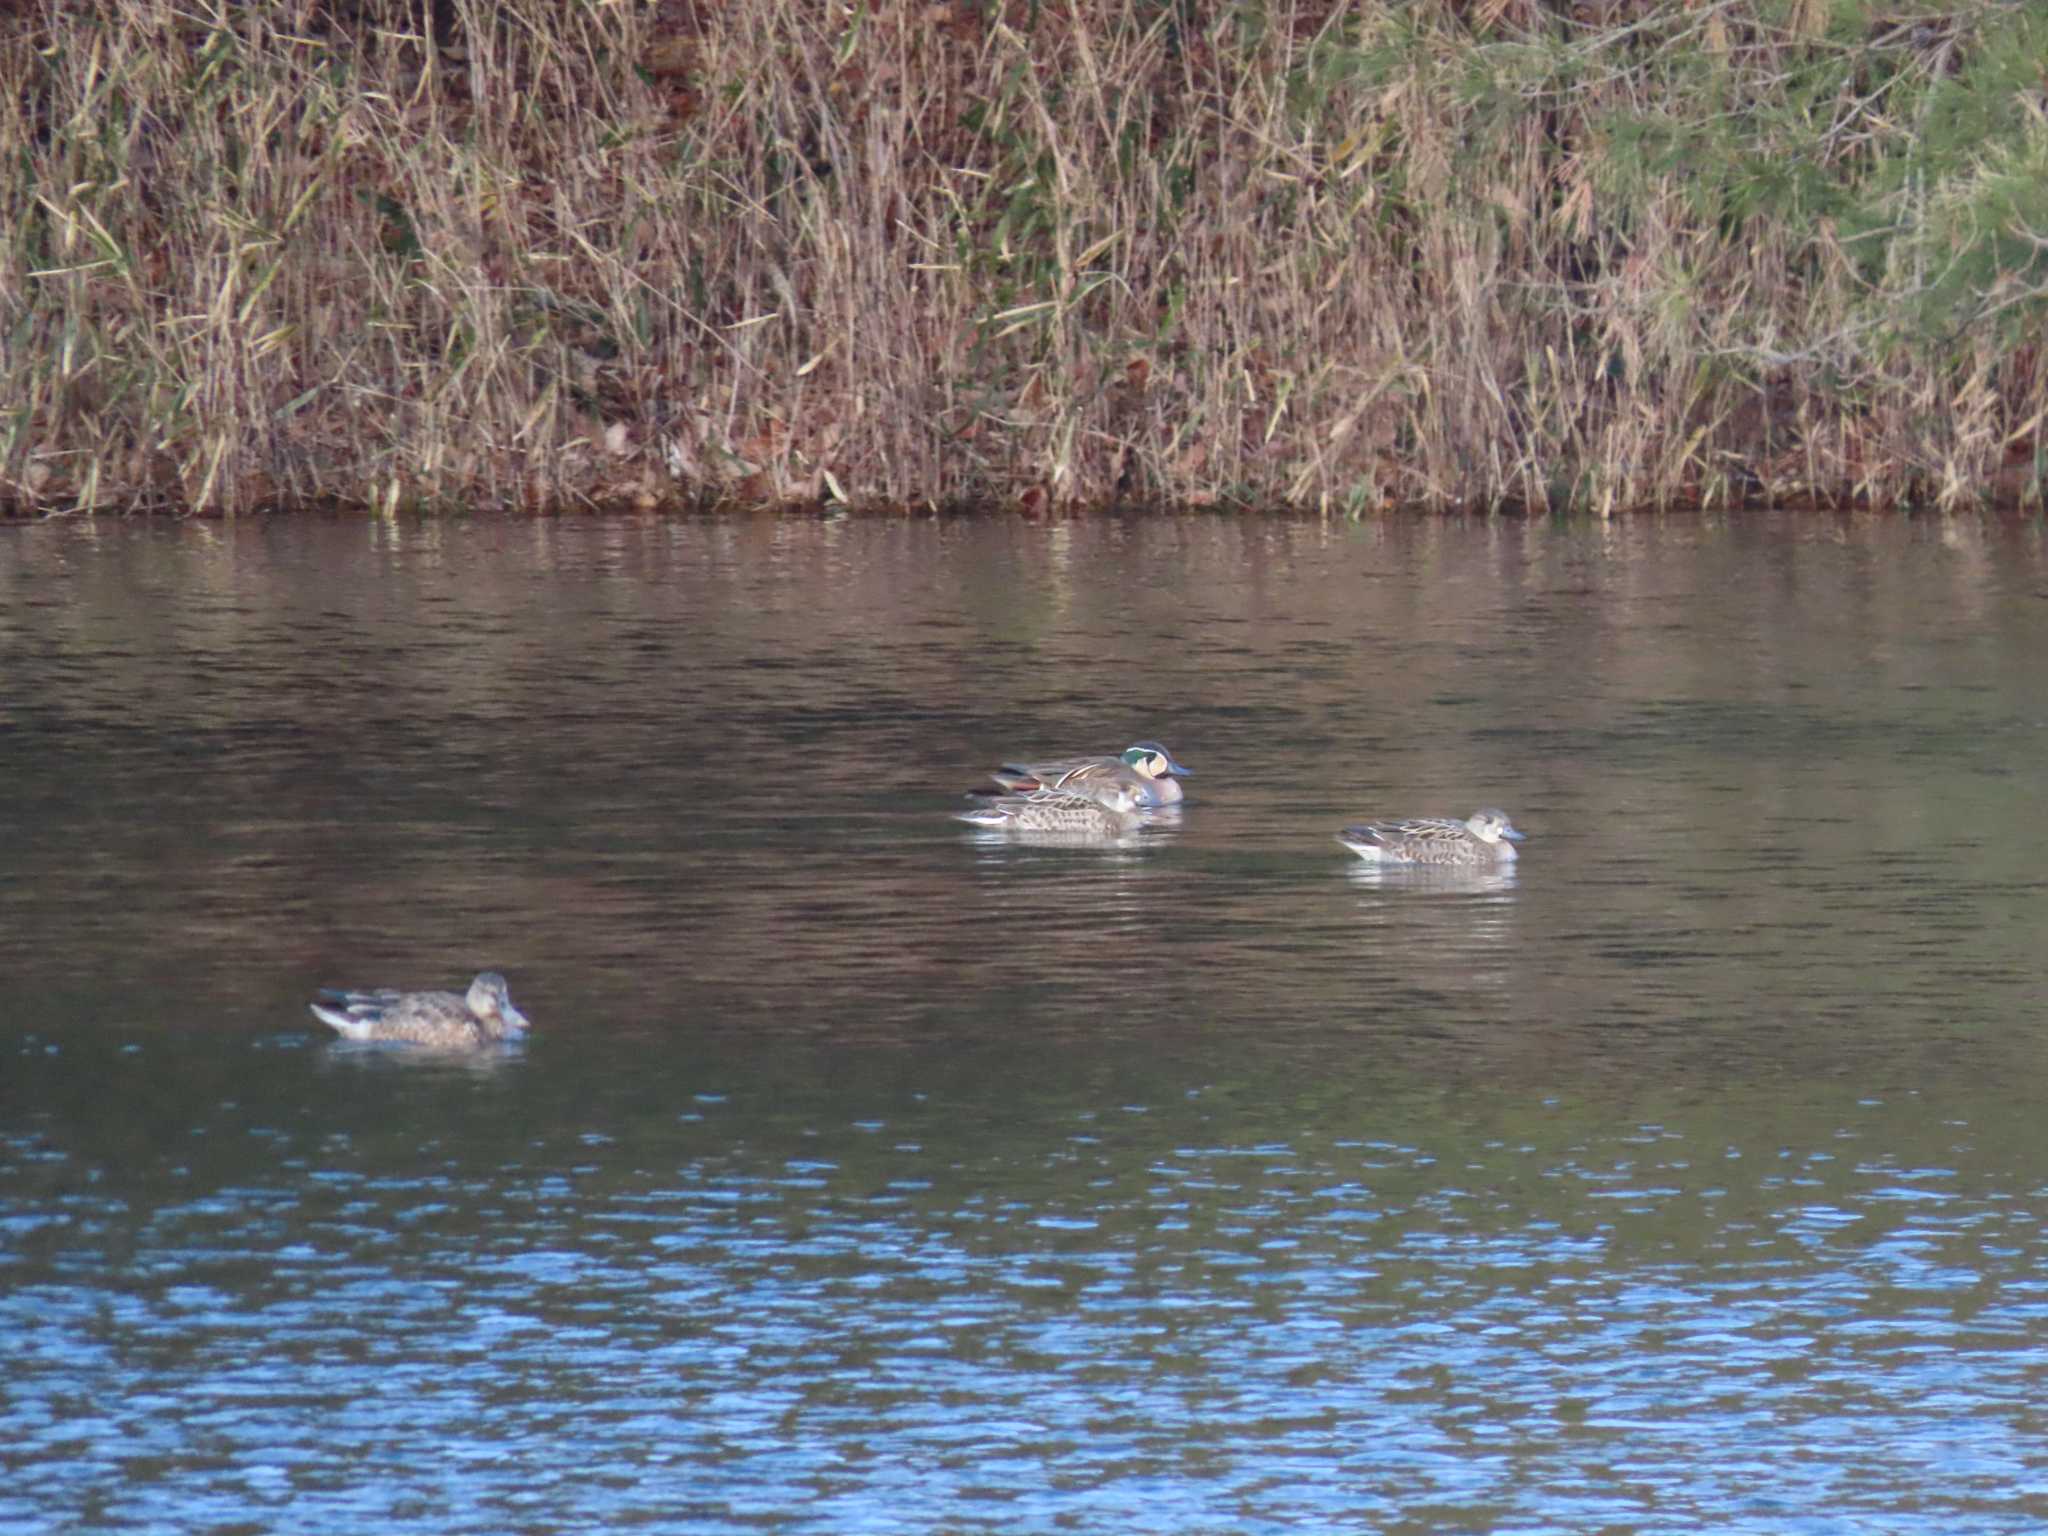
(1188, 1314)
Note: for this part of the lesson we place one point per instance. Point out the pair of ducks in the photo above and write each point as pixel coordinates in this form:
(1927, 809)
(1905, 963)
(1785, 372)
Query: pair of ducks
(1086, 797)
(1091, 797)
(1106, 797)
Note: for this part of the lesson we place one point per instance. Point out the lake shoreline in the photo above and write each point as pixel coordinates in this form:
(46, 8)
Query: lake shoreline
(759, 255)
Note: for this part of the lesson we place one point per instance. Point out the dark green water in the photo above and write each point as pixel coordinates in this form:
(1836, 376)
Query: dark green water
(863, 1176)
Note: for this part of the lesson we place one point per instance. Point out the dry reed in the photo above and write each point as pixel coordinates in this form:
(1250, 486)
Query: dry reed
(549, 253)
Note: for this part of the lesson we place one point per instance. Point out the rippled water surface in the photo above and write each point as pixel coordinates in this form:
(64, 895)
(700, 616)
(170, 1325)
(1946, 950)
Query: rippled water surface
(862, 1174)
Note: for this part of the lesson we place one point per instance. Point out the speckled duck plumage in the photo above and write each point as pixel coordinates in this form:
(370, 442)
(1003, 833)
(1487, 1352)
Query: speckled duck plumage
(1111, 813)
(445, 1020)
(1147, 770)
(1483, 840)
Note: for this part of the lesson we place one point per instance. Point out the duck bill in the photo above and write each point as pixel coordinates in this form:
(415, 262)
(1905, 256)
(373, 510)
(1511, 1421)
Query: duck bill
(1512, 835)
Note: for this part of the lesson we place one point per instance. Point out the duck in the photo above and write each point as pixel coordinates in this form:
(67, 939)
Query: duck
(1145, 768)
(1112, 811)
(1482, 840)
(447, 1020)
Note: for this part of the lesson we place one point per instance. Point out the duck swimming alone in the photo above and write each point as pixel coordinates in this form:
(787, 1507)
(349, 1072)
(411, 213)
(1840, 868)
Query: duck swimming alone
(1147, 770)
(1483, 839)
(483, 1016)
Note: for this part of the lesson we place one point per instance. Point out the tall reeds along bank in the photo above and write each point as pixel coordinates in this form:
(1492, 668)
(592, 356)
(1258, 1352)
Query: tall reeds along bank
(550, 253)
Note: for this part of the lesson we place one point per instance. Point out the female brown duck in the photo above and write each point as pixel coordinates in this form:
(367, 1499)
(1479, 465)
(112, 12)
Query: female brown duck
(445, 1020)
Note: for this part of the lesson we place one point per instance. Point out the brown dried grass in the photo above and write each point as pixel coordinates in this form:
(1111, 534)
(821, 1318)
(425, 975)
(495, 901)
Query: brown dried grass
(550, 253)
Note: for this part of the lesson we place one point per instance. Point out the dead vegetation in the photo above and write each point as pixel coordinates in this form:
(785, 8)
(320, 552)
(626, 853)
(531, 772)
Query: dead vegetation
(559, 253)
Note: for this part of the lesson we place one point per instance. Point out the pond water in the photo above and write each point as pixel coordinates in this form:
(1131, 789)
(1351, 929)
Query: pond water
(861, 1174)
